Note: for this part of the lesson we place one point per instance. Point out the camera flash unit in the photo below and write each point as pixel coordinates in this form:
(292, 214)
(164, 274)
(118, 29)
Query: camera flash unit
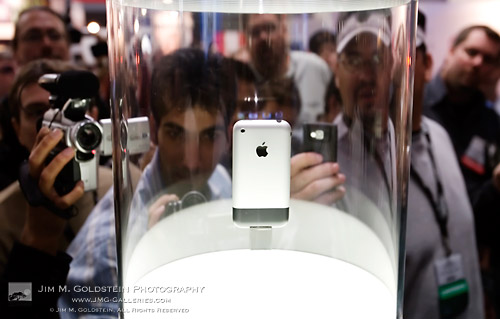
(318, 134)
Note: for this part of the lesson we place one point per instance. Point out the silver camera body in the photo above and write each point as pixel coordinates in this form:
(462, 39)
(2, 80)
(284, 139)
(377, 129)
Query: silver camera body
(84, 137)
(136, 130)
(71, 94)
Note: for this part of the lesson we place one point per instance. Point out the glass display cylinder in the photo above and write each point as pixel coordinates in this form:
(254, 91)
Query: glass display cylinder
(205, 227)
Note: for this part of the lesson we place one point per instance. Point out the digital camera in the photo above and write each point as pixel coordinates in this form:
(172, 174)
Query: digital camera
(85, 137)
(71, 96)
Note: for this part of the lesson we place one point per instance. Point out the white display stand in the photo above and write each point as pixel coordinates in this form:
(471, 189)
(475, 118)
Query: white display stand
(323, 264)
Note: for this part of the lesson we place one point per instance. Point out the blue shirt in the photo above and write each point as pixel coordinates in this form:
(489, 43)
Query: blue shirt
(94, 248)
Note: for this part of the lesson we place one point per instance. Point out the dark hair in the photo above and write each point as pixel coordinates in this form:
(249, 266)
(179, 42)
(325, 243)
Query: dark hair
(246, 18)
(320, 38)
(422, 48)
(29, 74)
(464, 34)
(242, 70)
(189, 77)
(421, 22)
(15, 40)
(283, 91)
(331, 90)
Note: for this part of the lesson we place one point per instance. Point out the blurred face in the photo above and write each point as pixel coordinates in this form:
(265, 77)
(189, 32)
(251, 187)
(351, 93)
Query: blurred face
(471, 61)
(34, 103)
(41, 35)
(7, 72)
(329, 54)
(423, 73)
(423, 68)
(267, 43)
(191, 144)
(363, 78)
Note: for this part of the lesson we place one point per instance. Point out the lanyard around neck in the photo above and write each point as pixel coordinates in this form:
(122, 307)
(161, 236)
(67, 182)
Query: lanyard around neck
(438, 204)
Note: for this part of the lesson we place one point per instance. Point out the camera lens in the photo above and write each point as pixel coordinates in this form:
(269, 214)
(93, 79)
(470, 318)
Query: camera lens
(88, 136)
(192, 198)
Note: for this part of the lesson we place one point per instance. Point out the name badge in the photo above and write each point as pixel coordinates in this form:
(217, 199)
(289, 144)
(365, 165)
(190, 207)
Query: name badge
(453, 290)
(474, 156)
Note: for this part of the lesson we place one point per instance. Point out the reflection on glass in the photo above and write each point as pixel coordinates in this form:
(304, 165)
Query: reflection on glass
(195, 71)
(366, 142)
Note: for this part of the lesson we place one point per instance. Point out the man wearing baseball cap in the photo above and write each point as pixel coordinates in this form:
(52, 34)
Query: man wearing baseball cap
(363, 77)
(440, 227)
(366, 143)
(364, 68)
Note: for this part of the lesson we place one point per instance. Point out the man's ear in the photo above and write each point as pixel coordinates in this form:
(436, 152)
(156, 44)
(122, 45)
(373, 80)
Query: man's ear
(428, 67)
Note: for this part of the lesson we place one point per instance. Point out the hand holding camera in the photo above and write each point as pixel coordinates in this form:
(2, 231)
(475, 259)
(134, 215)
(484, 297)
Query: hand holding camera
(315, 175)
(71, 97)
(315, 180)
(68, 135)
(62, 164)
(46, 174)
(157, 209)
(43, 228)
(170, 203)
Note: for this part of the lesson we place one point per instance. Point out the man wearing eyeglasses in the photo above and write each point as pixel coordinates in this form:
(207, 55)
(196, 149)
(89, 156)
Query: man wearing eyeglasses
(440, 227)
(364, 71)
(272, 59)
(366, 140)
(28, 102)
(454, 99)
(40, 32)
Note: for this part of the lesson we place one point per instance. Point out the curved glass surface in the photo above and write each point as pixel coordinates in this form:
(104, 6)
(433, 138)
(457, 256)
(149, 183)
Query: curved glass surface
(223, 207)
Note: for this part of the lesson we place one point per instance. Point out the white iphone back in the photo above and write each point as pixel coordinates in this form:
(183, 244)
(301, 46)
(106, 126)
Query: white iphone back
(261, 184)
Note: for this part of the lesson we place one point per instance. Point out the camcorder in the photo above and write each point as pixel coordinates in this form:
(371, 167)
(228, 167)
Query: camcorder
(71, 96)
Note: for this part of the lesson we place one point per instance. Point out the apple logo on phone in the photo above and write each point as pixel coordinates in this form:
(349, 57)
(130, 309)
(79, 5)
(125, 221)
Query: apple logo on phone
(262, 150)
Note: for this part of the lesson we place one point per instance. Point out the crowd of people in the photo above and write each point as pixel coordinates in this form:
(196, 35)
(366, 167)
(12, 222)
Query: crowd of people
(347, 79)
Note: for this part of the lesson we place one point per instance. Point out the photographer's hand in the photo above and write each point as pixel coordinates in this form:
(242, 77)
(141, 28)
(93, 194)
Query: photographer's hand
(157, 209)
(315, 181)
(43, 229)
(46, 140)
